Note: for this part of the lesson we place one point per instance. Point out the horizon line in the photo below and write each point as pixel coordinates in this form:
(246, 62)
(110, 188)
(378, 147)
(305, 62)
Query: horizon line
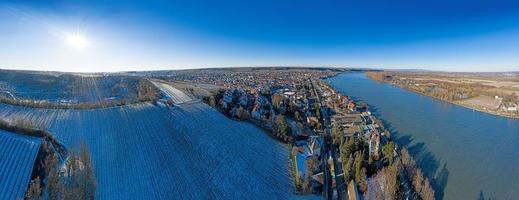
(262, 66)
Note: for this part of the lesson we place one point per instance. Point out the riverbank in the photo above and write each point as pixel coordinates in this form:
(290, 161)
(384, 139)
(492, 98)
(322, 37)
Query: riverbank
(482, 98)
(386, 160)
(448, 142)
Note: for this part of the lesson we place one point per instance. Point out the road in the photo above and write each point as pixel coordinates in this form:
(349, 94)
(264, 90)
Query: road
(329, 148)
(172, 93)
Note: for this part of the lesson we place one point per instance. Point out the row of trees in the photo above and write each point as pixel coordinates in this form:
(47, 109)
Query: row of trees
(147, 91)
(421, 184)
(386, 184)
(52, 105)
(352, 152)
(24, 127)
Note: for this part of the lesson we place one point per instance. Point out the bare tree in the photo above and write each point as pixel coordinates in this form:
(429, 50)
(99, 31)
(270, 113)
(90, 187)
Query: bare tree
(34, 191)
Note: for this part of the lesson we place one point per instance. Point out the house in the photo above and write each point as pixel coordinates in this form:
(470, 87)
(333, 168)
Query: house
(351, 105)
(319, 177)
(302, 153)
(314, 146)
(311, 120)
(228, 97)
(367, 130)
(366, 116)
(289, 95)
(343, 101)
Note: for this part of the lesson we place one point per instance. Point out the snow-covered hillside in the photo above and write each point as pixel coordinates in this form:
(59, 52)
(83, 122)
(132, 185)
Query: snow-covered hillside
(189, 151)
(17, 156)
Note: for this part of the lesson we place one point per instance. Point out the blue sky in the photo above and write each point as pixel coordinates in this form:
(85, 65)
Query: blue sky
(451, 35)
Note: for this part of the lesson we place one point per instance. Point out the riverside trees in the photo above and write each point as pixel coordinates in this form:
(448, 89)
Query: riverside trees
(421, 185)
(386, 173)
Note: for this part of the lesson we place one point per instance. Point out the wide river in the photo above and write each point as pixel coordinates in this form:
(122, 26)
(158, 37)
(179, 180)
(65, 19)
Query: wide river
(467, 154)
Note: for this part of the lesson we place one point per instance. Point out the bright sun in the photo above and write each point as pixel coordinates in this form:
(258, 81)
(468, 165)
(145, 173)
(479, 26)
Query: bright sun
(77, 40)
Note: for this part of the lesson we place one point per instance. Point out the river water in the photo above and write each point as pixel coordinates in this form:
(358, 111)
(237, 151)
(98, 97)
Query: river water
(467, 154)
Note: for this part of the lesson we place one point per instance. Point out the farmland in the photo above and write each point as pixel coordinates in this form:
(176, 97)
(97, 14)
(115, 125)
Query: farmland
(143, 151)
(17, 156)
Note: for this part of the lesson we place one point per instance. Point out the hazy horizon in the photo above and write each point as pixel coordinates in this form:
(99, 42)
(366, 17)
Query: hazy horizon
(276, 66)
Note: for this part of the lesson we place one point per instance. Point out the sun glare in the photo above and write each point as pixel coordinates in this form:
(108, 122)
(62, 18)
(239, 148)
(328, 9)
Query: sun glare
(77, 40)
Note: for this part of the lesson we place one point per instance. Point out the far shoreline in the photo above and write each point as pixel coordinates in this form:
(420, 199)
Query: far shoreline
(509, 116)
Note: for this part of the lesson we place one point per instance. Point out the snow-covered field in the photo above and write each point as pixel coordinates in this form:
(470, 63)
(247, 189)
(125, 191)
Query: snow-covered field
(17, 156)
(66, 87)
(174, 94)
(189, 151)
